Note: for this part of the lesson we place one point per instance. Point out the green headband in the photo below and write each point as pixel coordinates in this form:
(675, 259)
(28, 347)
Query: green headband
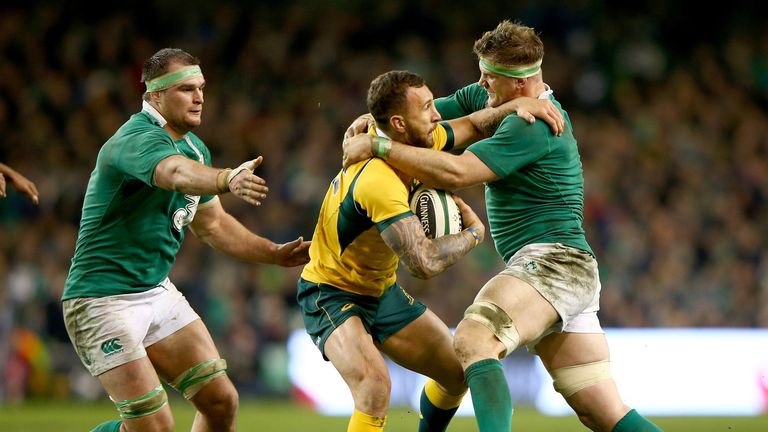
(171, 79)
(522, 72)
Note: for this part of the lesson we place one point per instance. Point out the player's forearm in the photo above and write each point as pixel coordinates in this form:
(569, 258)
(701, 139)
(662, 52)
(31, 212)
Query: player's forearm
(446, 251)
(465, 132)
(487, 120)
(423, 257)
(435, 168)
(232, 238)
(180, 174)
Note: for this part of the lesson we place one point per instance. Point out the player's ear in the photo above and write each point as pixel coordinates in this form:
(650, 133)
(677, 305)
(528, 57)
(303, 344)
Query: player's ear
(397, 122)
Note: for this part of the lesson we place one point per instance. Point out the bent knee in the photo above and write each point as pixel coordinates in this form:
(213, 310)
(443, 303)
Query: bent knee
(474, 341)
(377, 380)
(226, 400)
(453, 383)
(218, 399)
(464, 347)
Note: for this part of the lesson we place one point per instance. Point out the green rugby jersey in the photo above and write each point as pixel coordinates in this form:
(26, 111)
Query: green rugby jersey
(539, 197)
(130, 230)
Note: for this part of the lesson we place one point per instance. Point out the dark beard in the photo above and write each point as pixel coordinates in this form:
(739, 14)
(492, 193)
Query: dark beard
(417, 141)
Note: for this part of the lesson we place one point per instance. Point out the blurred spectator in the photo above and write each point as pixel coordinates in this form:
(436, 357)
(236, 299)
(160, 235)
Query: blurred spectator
(673, 133)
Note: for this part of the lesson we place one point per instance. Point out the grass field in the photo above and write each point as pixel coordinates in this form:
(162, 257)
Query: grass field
(262, 416)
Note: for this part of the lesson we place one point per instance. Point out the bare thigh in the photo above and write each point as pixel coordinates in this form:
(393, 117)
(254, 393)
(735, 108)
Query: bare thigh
(600, 403)
(531, 314)
(185, 349)
(182, 350)
(425, 346)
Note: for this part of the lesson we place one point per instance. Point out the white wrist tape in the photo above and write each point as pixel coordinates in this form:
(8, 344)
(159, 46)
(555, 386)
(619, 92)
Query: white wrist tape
(235, 171)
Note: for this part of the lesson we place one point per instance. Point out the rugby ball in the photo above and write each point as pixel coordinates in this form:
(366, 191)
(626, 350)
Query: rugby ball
(437, 212)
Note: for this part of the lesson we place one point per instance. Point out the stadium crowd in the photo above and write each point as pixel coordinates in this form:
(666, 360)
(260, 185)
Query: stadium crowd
(671, 119)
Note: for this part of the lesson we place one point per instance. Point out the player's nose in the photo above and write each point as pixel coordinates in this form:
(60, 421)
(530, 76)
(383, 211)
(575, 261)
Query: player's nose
(435, 115)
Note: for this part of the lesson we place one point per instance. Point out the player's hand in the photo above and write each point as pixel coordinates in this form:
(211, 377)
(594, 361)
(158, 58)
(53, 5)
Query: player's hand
(21, 184)
(469, 219)
(530, 109)
(356, 148)
(293, 253)
(246, 185)
(360, 125)
(2, 186)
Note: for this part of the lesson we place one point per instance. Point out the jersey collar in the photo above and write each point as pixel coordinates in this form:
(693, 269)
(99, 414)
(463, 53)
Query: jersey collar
(547, 91)
(155, 114)
(382, 134)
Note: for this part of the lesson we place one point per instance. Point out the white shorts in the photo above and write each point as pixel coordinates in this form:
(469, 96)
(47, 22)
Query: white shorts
(567, 278)
(111, 331)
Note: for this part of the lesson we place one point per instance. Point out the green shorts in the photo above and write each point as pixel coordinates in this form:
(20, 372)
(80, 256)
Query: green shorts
(325, 307)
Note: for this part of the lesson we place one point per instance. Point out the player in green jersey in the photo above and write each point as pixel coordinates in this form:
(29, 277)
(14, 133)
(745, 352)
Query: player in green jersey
(548, 296)
(127, 321)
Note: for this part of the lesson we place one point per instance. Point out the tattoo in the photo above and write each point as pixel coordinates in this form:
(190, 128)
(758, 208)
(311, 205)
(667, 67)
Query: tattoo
(425, 258)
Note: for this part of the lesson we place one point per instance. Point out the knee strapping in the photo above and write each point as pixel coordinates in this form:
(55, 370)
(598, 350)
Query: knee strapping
(497, 321)
(195, 378)
(143, 405)
(569, 380)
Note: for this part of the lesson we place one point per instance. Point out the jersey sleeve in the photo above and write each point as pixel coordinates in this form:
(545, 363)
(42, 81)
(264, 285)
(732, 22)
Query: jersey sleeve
(442, 137)
(465, 101)
(139, 156)
(515, 144)
(381, 195)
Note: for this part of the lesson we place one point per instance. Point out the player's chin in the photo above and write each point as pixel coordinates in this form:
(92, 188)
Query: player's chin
(493, 100)
(427, 142)
(194, 120)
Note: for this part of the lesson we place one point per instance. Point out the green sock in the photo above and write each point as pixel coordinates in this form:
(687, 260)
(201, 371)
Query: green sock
(490, 395)
(433, 419)
(634, 422)
(109, 426)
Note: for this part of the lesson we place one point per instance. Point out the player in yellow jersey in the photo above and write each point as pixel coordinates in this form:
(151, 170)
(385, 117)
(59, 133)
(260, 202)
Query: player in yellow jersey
(352, 305)
(353, 308)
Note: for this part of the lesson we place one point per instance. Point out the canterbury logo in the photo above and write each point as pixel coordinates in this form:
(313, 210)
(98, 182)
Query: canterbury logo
(111, 346)
(347, 307)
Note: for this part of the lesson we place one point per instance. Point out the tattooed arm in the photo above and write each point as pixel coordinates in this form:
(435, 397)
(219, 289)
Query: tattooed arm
(426, 258)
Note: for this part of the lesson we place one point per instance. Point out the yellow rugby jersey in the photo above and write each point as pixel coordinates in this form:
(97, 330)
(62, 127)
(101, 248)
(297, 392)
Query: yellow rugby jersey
(347, 250)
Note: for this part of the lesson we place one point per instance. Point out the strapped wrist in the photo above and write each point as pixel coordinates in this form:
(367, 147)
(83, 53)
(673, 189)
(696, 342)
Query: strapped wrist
(475, 234)
(222, 180)
(380, 147)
